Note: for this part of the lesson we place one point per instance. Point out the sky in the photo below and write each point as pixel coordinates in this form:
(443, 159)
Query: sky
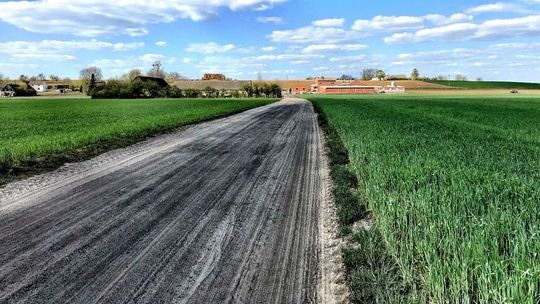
(276, 39)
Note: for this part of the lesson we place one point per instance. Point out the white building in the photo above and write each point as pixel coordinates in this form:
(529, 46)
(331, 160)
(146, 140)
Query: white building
(39, 86)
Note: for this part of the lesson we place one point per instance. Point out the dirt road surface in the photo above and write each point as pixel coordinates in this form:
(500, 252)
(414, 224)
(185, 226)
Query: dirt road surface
(223, 212)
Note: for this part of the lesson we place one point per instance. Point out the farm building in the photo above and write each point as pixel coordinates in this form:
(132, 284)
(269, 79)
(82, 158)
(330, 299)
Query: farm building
(322, 83)
(214, 77)
(39, 86)
(160, 81)
(7, 90)
(357, 87)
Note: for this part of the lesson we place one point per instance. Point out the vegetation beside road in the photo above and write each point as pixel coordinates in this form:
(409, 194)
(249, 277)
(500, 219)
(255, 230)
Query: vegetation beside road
(42, 134)
(450, 185)
(488, 84)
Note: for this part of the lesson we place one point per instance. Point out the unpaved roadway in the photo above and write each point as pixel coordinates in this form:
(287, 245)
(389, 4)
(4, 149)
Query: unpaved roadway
(223, 212)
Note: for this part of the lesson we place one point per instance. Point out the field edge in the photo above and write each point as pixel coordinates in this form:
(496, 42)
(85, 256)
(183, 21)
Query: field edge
(371, 272)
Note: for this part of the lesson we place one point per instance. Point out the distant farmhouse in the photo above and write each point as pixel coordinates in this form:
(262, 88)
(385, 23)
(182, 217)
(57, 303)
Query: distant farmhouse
(214, 77)
(39, 86)
(15, 89)
(7, 90)
(333, 86)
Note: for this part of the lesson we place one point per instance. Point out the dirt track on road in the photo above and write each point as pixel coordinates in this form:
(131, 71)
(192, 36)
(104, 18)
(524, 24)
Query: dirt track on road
(223, 212)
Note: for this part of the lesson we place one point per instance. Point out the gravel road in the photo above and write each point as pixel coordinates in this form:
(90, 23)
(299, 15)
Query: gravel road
(223, 212)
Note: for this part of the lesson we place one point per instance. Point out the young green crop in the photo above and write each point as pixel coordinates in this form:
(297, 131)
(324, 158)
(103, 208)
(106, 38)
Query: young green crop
(507, 85)
(453, 185)
(44, 133)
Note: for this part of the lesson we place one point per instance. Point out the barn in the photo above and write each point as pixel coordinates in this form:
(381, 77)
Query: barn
(350, 89)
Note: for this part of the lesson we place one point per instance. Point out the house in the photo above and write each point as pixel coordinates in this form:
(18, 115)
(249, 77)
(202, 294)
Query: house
(214, 77)
(7, 90)
(39, 86)
(160, 81)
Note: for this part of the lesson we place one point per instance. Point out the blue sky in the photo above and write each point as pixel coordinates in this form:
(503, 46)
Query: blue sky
(276, 38)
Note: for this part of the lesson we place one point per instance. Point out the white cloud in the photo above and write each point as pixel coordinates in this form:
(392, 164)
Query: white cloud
(268, 48)
(119, 66)
(348, 58)
(210, 48)
(58, 50)
(499, 7)
(320, 48)
(456, 31)
(100, 17)
(274, 20)
(403, 23)
(335, 22)
(161, 43)
(315, 35)
(282, 57)
(491, 29)
(444, 20)
(389, 23)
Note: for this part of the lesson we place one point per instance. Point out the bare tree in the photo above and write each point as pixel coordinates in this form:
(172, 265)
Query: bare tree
(133, 73)
(87, 73)
(460, 77)
(368, 74)
(24, 78)
(156, 70)
(54, 78)
(442, 77)
(1, 76)
(174, 76)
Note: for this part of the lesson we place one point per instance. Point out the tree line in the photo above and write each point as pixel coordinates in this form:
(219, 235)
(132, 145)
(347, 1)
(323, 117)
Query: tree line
(120, 89)
(371, 73)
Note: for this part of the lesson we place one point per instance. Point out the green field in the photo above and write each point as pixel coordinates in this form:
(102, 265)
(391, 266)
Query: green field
(41, 134)
(452, 186)
(479, 85)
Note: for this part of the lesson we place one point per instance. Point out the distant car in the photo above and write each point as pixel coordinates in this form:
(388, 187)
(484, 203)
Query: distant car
(514, 91)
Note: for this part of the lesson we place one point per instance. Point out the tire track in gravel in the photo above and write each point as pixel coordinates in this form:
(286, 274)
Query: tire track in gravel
(224, 212)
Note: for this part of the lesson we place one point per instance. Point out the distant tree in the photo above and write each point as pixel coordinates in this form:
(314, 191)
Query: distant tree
(89, 71)
(54, 78)
(441, 77)
(174, 76)
(415, 74)
(41, 77)
(397, 77)
(346, 77)
(92, 84)
(368, 74)
(86, 74)
(460, 77)
(24, 78)
(132, 74)
(381, 75)
(1, 76)
(156, 70)
(479, 79)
